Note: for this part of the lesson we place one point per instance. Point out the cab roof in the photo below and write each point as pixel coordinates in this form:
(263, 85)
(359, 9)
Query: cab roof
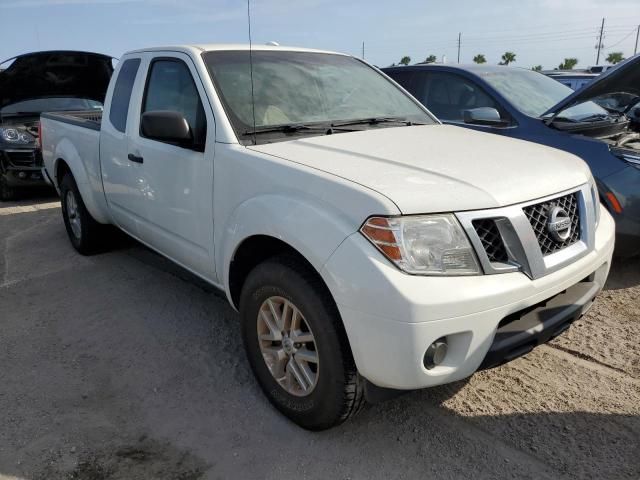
(200, 48)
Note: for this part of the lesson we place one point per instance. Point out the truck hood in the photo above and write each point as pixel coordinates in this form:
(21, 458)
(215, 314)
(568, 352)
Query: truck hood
(625, 78)
(438, 168)
(55, 74)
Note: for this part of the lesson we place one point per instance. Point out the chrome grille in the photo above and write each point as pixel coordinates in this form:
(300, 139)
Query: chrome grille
(492, 242)
(522, 228)
(538, 216)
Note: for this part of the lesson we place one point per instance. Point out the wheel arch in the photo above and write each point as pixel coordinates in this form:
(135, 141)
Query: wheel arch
(270, 224)
(255, 250)
(67, 160)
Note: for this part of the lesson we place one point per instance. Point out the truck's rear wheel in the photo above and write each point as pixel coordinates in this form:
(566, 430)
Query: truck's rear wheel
(296, 345)
(83, 230)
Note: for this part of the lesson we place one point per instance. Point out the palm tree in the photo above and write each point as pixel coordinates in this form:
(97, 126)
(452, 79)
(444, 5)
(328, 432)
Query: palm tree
(507, 58)
(568, 64)
(430, 59)
(405, 60)
(537, 68)
(615, 57)
(480, 58)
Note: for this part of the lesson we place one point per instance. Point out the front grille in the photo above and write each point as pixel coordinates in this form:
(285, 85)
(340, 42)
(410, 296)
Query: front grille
(489, 234)
(25, 158)
(538, 216)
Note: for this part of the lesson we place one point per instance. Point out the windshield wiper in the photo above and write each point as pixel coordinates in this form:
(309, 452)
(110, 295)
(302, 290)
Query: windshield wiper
(375, 121)
(289, 128)
(594, 117)
(587, 119)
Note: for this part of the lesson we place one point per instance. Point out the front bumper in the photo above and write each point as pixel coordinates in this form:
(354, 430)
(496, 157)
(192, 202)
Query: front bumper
(22, 168)
(391, 317)
(24, 177)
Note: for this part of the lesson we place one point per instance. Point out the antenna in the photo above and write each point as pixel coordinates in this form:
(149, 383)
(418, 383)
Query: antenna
(253, 100)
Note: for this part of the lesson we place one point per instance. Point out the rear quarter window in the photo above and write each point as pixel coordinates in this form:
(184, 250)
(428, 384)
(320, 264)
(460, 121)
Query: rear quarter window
(121, 96)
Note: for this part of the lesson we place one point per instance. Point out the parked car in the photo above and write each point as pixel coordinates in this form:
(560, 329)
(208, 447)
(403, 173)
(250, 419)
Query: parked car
(39, 82)
(573, 80)
(527, 105)
(600, 68)
(366, 245)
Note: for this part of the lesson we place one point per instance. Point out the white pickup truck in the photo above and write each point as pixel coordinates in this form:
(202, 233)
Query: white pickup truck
(365, 245)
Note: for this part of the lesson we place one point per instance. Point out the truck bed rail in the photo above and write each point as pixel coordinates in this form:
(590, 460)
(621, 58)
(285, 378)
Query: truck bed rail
(82, 118)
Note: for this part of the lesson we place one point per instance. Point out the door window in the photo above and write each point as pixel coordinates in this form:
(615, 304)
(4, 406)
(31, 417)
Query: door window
(122, 94)
(448, 95)
(170, 86)
(404, 78)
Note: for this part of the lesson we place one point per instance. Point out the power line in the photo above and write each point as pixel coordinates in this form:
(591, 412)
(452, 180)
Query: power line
(570, 38)
(618, 43)
(533, 34)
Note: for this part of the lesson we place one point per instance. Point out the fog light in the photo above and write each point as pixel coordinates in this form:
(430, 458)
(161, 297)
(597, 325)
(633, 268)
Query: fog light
(435, 354)
(22, 175)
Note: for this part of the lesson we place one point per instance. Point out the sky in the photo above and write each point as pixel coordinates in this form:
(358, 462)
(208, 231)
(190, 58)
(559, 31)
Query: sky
(540, 32)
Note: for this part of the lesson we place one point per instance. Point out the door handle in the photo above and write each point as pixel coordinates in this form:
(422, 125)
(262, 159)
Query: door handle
(135, 158)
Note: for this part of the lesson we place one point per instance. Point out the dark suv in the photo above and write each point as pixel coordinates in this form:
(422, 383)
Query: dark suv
(530, 106)
(42, 82)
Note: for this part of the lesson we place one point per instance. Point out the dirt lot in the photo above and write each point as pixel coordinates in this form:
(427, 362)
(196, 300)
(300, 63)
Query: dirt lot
(123, 366)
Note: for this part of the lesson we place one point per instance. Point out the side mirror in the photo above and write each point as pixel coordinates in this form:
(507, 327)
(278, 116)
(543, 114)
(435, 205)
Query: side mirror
(484, 116)
(166, 126)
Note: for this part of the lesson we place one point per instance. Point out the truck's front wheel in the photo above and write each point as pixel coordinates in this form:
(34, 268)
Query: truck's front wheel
(296, 345)
(82, 229)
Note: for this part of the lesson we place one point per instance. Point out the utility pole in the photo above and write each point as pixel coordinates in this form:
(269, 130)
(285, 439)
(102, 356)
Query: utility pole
(363, 50)
(459, 43)
(599, 46)
(635, 50)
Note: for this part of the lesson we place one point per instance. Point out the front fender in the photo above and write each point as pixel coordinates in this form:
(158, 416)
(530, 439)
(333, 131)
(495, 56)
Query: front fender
(314, 229)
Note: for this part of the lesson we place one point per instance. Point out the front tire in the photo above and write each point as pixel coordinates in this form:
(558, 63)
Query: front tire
(296, 345)
(82, 229)
(6, 193)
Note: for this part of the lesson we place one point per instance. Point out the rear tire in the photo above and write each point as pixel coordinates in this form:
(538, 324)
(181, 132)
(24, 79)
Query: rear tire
(328, 390)
(84, 232)
(6, 193)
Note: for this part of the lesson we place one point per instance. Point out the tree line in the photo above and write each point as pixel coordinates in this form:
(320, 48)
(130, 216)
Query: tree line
(510, 57)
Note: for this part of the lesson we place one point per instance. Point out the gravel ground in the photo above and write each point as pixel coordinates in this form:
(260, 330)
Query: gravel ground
(123, 366)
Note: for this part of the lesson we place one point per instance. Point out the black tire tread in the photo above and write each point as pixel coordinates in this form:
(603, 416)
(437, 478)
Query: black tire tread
(6, 193)
(91, 230)
(354, 398)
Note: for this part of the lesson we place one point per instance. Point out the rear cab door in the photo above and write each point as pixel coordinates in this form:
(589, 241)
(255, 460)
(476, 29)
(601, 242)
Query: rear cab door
(119, 176)
(175, 182)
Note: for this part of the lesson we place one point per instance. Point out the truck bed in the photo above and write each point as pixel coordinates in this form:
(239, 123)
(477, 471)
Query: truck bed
(83, 118)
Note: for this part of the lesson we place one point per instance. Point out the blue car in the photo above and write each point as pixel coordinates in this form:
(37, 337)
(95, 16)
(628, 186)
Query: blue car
(530, 106)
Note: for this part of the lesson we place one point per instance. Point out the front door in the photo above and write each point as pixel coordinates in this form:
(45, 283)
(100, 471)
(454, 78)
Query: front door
(176, 182)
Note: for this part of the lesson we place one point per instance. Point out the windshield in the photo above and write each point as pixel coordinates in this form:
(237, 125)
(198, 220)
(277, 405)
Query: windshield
(56, 104)
(305, 88)
(534, 93)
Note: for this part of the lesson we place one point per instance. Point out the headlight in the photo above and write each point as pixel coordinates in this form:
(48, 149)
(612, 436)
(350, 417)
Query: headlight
(15, 136)
(423, 245)
(632, 157)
